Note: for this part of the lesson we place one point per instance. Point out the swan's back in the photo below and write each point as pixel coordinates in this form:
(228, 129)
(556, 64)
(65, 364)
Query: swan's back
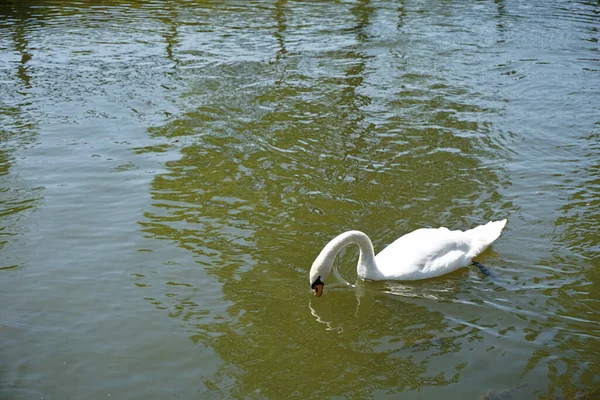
(426, 253)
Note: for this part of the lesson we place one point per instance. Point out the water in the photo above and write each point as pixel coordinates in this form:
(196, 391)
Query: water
(169, 171)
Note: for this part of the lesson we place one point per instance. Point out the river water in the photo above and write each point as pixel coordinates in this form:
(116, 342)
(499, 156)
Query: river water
(170, 169)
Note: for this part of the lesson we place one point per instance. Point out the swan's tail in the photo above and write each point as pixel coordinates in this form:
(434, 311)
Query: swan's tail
(483, 235)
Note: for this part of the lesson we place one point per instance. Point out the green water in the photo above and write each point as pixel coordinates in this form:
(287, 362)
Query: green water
(170, 169)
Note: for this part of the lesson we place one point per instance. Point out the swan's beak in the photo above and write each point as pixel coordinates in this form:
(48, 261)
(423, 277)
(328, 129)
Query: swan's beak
(318, 289)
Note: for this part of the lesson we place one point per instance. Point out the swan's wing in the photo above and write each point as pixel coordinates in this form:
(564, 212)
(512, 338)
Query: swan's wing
(424, 253)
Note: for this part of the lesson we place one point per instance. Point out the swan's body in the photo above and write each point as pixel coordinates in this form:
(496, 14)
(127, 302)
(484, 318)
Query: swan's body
(424, 253)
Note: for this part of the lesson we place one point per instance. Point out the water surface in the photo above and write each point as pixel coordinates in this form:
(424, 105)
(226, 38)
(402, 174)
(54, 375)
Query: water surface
(169, 171)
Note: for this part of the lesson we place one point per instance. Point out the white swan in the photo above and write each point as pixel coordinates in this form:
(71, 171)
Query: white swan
(424, 253)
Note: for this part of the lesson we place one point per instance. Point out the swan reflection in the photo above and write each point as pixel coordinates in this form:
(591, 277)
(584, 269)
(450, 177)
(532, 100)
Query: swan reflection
(364, 300)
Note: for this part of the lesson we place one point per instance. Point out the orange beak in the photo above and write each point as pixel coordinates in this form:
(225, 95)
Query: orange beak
(318, 290)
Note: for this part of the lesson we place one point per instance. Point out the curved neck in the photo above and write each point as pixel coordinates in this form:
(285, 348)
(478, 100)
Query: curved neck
(366, 268)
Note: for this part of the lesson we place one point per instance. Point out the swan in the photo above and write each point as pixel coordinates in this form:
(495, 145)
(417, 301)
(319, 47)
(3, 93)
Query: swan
(424, 253)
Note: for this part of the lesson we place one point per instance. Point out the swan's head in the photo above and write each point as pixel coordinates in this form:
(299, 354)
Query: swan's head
(318, 273)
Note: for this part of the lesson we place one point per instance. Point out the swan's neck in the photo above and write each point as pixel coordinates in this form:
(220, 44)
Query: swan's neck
(366, 268)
